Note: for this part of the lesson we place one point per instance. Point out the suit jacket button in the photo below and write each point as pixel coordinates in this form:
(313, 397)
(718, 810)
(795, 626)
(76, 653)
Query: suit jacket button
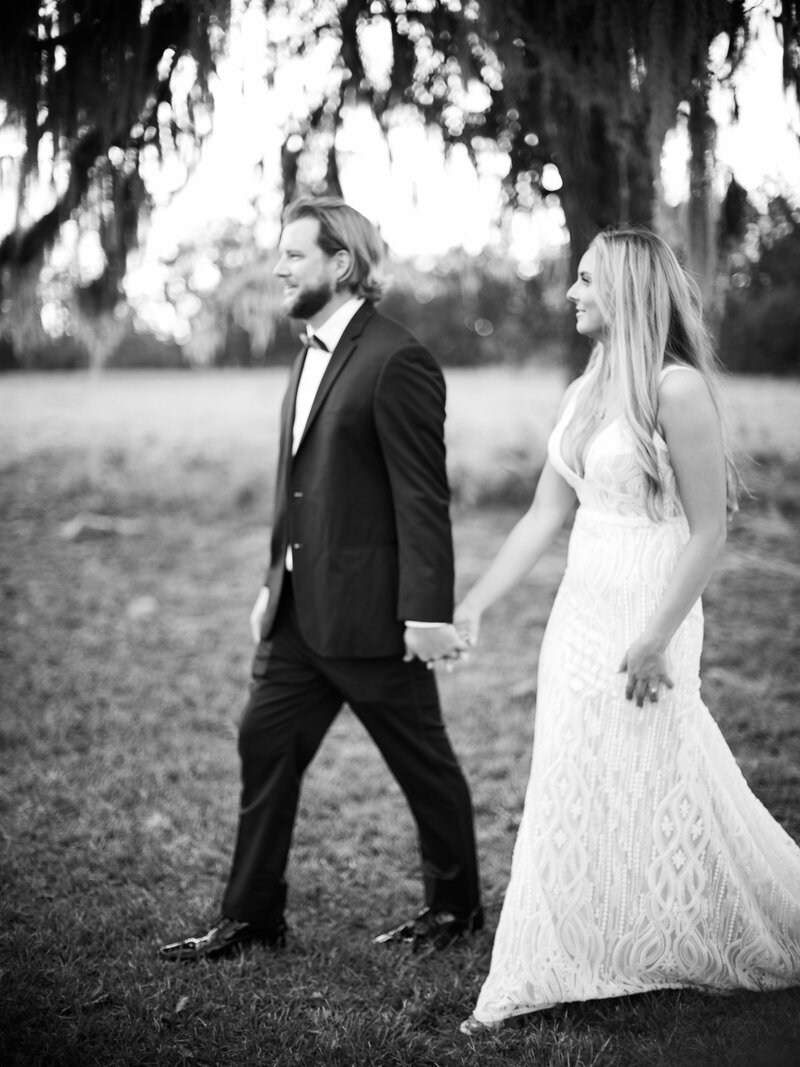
(296, 545)
(297, 495)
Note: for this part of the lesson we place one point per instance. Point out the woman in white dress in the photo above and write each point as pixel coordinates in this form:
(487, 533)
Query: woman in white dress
(643, 861)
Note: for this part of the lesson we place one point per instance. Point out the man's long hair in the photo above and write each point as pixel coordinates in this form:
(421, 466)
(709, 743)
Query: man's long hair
(653, 312)
(341, 227)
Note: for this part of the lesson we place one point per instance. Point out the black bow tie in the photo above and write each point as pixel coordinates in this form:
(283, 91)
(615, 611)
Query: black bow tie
(312, 341)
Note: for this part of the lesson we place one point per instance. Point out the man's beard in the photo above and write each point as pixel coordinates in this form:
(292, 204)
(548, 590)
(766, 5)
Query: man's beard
(309, 301)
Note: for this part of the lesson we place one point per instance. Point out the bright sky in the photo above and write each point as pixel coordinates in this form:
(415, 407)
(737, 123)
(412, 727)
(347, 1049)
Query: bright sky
(762, 149)
(424, 204)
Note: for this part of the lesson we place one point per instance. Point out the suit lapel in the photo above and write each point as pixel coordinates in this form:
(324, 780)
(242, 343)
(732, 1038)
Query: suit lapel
(287, 417)
(341, 354)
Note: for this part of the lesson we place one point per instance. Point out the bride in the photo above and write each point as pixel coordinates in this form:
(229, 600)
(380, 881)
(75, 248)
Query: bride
(643, 861)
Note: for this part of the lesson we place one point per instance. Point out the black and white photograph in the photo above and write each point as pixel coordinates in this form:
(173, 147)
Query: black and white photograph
(400, 510)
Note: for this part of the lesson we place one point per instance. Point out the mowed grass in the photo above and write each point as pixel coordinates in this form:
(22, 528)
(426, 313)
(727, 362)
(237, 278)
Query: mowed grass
(124, 669)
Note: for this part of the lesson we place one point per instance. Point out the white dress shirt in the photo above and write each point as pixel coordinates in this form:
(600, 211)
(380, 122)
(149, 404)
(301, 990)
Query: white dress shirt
(316, 363)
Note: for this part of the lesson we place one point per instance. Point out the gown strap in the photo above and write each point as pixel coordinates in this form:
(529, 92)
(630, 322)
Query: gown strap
(671, 367)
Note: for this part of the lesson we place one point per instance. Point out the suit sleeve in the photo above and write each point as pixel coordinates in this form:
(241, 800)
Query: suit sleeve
(409, 417)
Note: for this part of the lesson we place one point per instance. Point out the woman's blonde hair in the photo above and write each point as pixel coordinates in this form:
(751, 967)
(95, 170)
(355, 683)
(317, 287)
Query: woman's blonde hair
(653, 314)
(342, 228)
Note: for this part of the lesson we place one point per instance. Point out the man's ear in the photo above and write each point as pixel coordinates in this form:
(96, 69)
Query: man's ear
(343, 261)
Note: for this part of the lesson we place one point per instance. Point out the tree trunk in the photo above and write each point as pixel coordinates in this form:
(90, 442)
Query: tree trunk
(605, 184)
(700, 238)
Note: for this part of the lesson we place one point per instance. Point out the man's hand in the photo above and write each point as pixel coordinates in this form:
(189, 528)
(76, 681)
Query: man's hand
(431, 643)
(258, 613)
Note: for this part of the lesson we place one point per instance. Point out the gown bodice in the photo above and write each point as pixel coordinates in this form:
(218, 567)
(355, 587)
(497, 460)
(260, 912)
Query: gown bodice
(612, 481)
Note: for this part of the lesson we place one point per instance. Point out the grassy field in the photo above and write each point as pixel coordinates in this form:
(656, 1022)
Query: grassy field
(124, 663)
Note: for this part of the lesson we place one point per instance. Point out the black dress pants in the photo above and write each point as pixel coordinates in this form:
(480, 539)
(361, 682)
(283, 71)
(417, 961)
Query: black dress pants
(294, 698)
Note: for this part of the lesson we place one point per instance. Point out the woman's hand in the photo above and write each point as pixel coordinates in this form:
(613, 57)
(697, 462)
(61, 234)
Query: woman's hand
(467, 621)
(646, 664)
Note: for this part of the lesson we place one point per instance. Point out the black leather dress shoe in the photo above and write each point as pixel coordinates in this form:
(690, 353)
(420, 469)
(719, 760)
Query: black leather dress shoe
(227, 935)
(438, 929)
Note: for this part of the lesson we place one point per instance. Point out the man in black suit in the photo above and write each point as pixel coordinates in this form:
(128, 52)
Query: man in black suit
(358, 599)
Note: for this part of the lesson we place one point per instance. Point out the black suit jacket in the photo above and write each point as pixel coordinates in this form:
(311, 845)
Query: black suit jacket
(364, 502)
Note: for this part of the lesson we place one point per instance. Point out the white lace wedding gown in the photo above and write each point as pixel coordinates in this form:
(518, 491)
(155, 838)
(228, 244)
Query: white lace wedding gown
(643, 861)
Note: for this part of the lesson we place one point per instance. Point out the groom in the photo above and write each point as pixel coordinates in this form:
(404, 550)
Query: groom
(358, 599)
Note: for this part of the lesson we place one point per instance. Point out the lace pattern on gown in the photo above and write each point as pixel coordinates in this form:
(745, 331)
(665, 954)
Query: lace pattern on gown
(643, 860)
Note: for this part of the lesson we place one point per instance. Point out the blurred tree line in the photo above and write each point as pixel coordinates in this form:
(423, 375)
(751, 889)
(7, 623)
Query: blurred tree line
(760, 327)
(588, 87)
(469, 310)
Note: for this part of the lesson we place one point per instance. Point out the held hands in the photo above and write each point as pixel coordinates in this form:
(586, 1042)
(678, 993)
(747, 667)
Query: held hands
(432, 643)
(646, 665)
(447, 642)
(258, 613)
